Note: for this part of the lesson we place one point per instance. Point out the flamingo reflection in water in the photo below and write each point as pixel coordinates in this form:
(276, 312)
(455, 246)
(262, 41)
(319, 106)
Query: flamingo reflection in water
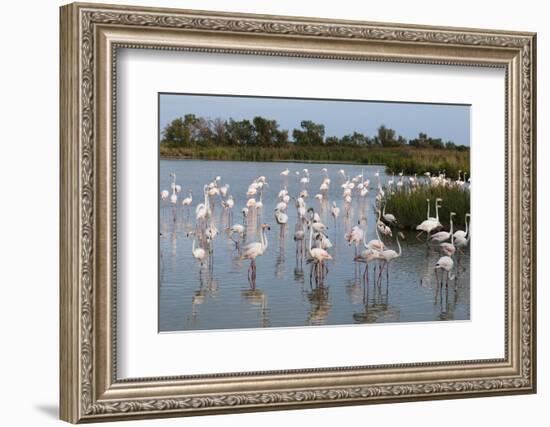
(319, 305)
(208, 287)
(376, 307)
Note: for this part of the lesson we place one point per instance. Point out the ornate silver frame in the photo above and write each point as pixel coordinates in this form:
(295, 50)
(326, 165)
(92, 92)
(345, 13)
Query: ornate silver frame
(90, 36)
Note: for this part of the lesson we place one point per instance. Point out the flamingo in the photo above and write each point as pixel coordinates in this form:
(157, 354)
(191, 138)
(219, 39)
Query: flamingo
(174, 196)
(325, 242)
(443, 235)
(254, 250)
(462, 233)
(281, 217)
(281, 206)
(260, 203)
(355, 236)
(224, 189)
(239, 230)
(376, 244)
(389, 255)
(318, 256)
(285, 172)
(198, 253)
(383, 228)
(388, 217)
(229, 203)
(164, 194)
(366, 256)
(211, 233)
(445, 263)
(299, 236)
(335, 212)
(430, 223)
(188, 200)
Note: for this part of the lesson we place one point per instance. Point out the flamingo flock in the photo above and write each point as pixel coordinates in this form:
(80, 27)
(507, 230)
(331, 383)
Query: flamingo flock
(312, 237)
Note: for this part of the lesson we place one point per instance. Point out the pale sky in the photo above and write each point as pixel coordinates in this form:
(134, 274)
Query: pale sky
(450, 122)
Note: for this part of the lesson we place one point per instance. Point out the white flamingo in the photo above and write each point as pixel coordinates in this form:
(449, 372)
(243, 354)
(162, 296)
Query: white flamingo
(366, 256)
(254, 250)
(281, 217)
(188, 200)
(463, 233)
(430, 223)
(335, 212)
(446, 264)
(389, 255)
(239, 230)
(198, 253)
(355, 236)
(224, 190)
(318, 256)
(443, 235)
(388, 217)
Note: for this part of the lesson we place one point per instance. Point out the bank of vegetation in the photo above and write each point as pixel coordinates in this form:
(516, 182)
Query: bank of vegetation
(410, 208)
(262, 140)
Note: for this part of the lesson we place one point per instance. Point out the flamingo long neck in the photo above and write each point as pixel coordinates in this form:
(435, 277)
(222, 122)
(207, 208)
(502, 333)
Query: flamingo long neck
(310, 240)
(193, 247)
(436, 211)
(466, 221)
(377, 233)
(451, 226)
(365, 238)
(398, 245)
(384, 212)
(206, 200)
(263, 240)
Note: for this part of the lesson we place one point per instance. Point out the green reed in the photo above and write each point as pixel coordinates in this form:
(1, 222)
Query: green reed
(410, 208)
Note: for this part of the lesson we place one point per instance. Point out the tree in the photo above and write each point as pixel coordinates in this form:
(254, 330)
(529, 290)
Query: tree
(218, 129)
(401, 140)
(450, 145)
(201, 132)
(312, 133)
(332, 140)
(180, 132)
(267, 132)
(386, 137)
(425, 141)
(239, 132)
(358, 138)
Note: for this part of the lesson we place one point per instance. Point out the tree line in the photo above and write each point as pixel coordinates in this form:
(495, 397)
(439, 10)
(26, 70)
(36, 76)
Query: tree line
(192, 131)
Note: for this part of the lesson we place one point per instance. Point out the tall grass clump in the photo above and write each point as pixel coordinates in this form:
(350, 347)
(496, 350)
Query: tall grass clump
(410, 208)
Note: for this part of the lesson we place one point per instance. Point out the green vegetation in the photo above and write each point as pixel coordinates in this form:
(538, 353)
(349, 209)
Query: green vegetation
(410, 208)
(262, 140)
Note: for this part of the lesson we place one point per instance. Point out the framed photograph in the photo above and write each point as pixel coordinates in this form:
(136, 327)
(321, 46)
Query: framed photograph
(267, 212)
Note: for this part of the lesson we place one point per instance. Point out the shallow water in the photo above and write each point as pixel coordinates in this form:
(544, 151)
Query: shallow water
(219, 295)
